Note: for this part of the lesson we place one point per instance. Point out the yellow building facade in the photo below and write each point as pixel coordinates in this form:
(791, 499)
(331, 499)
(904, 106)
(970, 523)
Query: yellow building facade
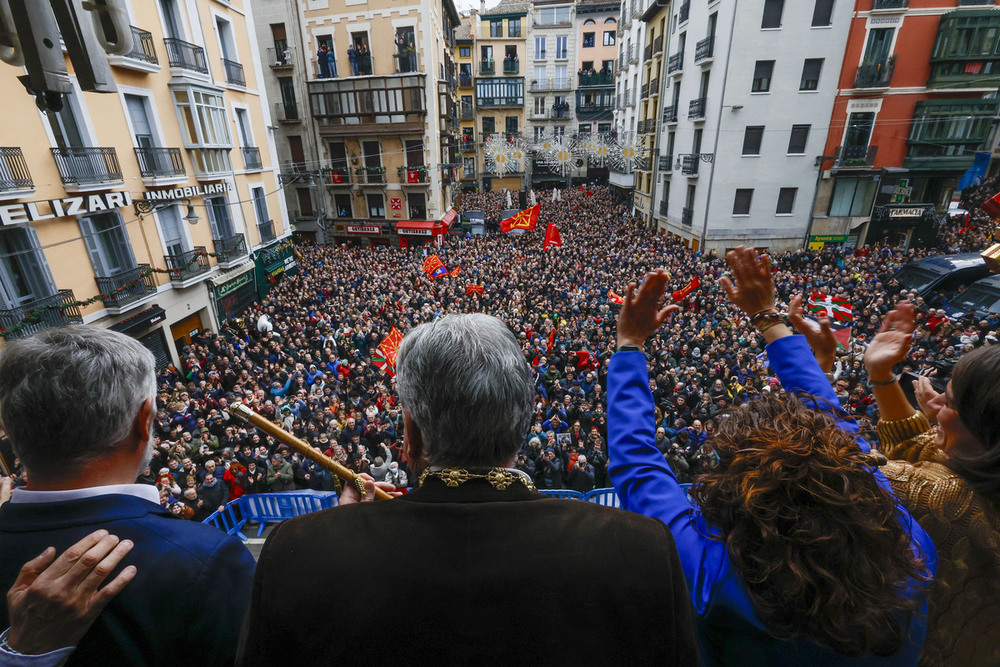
(657, 19)
(385, 110)
(150, 203)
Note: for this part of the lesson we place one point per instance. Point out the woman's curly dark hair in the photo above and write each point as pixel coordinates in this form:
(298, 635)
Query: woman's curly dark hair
(817, 540)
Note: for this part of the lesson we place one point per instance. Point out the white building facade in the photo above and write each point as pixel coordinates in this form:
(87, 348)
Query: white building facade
(631, 37)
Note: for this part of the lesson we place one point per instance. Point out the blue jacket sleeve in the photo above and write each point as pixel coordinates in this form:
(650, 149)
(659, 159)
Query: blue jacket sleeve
(644, 481)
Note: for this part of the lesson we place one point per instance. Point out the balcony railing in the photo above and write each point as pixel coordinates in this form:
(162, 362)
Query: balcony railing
(159, 162)
(413, 175)
(234, 72)
(663, 208)
(14, 174)
(251, 158)
(406, 62)
(143, 47)
(675, 62)
(464, 80)
(286, 112)
(670, 114)
(666, 163)
(266, 231)
(644, 164)
(185, 55)
(689, 165)
(50, 311)
(658, 45)
(596, 79)
(684, 11)
(890, 4)
(647, 126)
(644, 90)
(126, 287)
(280, 59)
(633, 53)
(467, 145)
(187, 265)
(468, 112)
(654, 87)
(371, 177)
(696, 109)
(87, 166)
(687, 216)
(511, 66)
(561, 113)
(874, 75)
(338, 176)
(703, 49)
(855, 156)
(487, 67)
(647, 53)
(550, 84)
(230, 248)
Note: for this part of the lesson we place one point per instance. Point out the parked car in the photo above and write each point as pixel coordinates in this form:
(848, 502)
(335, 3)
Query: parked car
(945, 274)
(981, 297)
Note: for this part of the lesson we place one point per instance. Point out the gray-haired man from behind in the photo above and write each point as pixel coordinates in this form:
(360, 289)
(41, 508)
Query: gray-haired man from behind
(78, 404)
(474, 564)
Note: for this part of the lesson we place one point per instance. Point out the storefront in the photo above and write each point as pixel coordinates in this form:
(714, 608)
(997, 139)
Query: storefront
(417, 233)
(832, 242)
(233, 291)
(141, 327)
(272, 263)
(903, 226)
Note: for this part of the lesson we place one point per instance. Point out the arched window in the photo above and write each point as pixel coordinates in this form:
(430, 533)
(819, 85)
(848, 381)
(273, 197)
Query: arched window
(590, 22)
(610, 20)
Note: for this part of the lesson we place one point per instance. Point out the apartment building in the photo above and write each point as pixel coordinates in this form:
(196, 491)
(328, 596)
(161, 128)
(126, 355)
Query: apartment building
(631, 35)
(597, 62)
(501, 57)
(648, 104)
(152, 208)
(745, 84)
(379, 90)
(914, 113)
(465, 45)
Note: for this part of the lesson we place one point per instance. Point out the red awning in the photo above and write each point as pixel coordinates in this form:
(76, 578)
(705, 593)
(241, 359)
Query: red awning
(420, 228)
(449, 218)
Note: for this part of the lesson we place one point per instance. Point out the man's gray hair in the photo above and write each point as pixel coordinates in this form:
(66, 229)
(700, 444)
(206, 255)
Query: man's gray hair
(465, 383)
(69, 394)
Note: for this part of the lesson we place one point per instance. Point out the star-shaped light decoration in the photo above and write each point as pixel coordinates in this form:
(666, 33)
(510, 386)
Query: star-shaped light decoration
(563, 154)
(497, 152)
(627, 152)
(597, 150)
(517, 153)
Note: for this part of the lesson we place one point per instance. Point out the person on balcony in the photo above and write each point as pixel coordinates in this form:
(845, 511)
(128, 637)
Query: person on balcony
(323, 61)
(352, 57)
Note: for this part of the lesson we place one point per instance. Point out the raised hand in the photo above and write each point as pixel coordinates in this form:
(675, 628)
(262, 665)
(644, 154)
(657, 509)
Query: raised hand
(819, 336)
(925, 395)
(891, 344)
(753, 291)
(640, 313)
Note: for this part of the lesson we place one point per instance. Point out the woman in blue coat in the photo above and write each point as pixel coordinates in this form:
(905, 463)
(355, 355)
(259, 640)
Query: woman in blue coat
(795, 550)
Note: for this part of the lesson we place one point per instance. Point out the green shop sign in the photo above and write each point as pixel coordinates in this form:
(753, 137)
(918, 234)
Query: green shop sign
(828, 239)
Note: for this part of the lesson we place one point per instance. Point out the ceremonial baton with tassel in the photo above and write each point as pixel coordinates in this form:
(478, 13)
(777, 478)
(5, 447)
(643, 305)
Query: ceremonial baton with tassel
(304, 448)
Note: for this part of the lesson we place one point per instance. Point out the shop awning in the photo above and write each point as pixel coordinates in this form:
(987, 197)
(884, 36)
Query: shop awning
(449, 218)
(140, 321)
(420, 228)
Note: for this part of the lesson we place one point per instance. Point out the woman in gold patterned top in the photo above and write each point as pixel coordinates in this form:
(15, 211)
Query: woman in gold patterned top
(945, 468)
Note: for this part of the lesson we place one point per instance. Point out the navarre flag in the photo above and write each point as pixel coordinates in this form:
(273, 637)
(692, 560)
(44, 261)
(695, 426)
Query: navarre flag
(473, 289)
(615, 299)
(833, 307)
(526, 220)
(454, 272)
(680, 294)
(552, 237)
(389, 347)
(434, 268)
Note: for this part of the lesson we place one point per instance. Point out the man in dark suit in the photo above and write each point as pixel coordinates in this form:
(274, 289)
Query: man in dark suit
(474, 566)
(78, 405)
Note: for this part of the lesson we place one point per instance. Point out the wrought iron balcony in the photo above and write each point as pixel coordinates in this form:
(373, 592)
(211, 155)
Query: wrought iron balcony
(159, 162)
(696, 109)
(644, 164)
(266, 231)
(511, 66)
(185, 55)
(666, 163)
(418, 175)
(468, 112)
(338, 176)
(675, 62)
(283, 59)
(251, 158)
(855, 156)
(467, 145)
(14, 174)
(126, 287)
(687, 216)
(684, 11)
(87, 166)
(890, 4)
(230, 249)
(561, 112)
(654, 87)
(143, 47)
(689, 165)
(464, 80)
(874, 75)
(658, 45)
(550, 84)
(647, 53)
(406, 62)
(633, 53)
(644, 90)
(487, 67)
(703, 49)
(286, 112)
(596, 79)
(670, 114)
(234, 72)
(375, 177)
(50, 311)
(187, 265)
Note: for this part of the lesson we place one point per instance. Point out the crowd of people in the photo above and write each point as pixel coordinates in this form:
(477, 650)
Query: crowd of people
(304, 356)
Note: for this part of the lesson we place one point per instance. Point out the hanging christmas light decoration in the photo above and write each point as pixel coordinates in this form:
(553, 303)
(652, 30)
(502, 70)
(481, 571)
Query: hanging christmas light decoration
(627, 152)
(497, 152)
(598, 151)
(563, 154)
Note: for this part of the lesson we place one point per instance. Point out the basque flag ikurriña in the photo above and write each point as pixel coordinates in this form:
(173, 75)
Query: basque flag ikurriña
(833, 307)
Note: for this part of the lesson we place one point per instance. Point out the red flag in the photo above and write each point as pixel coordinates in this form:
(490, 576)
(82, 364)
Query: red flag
(590, 193)
(434, 268)
(843, 337)
(389, 347)
(526, 220)
(687, 289)
(582, 359)
(412, 176)
(551, 342)
(615, 299)
(582, 189)
(473, 289)
(336, 177)
(399, 304)
(454, 272)
(552, 237)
